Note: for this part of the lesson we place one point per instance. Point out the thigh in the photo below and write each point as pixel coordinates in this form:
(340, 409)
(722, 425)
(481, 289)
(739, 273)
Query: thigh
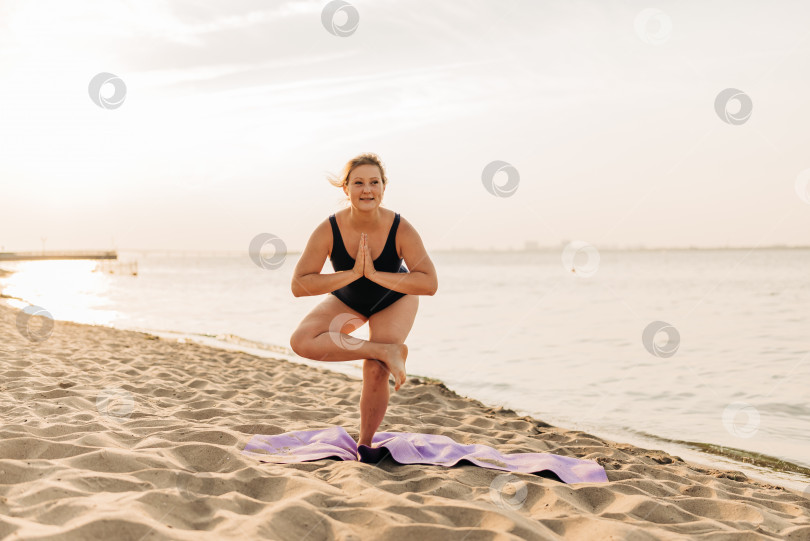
(331, 314)
(392, 324)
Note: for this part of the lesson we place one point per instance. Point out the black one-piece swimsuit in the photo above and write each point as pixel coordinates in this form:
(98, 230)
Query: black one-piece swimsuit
(364, 295)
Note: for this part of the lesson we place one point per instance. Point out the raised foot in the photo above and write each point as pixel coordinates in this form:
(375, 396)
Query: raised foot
(395, 361)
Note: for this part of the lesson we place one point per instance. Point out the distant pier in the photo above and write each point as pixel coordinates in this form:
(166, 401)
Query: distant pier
(63, 254)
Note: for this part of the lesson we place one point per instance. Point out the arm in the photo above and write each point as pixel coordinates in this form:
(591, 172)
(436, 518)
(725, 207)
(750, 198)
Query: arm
(421, 278)
(318, 284)
(307, 278)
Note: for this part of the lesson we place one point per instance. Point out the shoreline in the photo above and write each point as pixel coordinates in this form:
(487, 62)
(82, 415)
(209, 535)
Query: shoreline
(165, 460)
(764, 468)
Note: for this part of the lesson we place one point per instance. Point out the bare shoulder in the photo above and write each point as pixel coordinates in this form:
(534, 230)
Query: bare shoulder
(411, 248)
(406, 227)
(323, 234)
(390, 215)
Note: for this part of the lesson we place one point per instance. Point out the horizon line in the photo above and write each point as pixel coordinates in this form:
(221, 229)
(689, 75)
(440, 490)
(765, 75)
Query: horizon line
(452, 250)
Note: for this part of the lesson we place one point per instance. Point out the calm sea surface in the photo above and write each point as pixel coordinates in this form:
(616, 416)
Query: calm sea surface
(521, 330)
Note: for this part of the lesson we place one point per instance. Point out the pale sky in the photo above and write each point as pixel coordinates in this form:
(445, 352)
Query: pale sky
(235, 112)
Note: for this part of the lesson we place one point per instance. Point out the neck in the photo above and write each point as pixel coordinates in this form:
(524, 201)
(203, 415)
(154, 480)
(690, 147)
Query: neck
(365, 219)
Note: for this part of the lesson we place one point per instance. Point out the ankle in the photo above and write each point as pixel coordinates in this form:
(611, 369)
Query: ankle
(380, 351)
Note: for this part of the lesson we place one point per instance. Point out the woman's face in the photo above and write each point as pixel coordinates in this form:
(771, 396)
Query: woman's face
(365, 187)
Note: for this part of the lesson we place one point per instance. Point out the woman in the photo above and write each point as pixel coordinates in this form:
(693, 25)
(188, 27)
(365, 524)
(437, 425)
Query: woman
(372, 286)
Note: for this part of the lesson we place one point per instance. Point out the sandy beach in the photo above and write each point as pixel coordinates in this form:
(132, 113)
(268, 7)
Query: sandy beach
(109, 434)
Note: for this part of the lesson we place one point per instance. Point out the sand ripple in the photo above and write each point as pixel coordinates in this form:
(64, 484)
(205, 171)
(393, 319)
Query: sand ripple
(117, 435)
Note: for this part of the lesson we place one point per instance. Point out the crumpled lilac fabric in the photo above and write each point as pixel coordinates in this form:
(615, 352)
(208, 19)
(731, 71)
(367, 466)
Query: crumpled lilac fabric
(415, 448)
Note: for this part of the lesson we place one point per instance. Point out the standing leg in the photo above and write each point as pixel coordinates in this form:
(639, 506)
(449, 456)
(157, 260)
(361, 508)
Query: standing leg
(391, 326)
(373, 399)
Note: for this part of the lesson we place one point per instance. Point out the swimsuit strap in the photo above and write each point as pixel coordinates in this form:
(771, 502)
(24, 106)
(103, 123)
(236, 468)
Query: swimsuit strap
(337, 239)
(392, 234)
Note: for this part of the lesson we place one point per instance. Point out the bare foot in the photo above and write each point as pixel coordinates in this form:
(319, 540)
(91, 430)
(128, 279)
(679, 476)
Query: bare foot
(395, 361)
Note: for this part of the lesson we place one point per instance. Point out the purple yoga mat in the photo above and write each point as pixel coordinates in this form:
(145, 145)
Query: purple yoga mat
(415, 448)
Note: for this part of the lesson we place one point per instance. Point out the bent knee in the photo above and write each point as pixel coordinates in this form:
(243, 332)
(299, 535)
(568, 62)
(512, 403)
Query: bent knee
(299, 342)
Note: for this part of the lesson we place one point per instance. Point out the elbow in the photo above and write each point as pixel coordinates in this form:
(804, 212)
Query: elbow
(300, 292)
(434, 287)
(298, 288)
(295, 288)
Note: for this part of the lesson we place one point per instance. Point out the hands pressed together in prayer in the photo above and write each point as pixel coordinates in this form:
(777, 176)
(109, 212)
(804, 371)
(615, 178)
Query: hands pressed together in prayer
(363, 264)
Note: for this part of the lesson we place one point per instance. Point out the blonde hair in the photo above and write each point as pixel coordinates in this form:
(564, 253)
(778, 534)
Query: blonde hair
(369, 158)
